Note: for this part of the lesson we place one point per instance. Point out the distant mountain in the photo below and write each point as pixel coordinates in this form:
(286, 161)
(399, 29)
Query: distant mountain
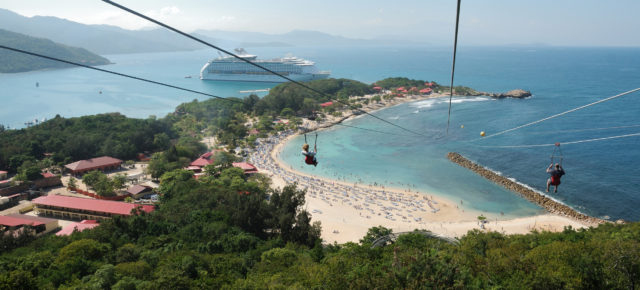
(101, 39)
(107, 39)
(12, 62)
(293, 38)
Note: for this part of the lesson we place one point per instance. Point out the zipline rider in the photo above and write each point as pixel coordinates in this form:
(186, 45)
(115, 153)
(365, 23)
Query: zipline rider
(556, 173)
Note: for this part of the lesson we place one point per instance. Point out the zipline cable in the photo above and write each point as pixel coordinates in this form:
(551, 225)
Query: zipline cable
(372, 130)
(563, 143)
(250, 62)
(116, 73)
(153, 82)
(560, 114)
(583, 130)
(453, 65)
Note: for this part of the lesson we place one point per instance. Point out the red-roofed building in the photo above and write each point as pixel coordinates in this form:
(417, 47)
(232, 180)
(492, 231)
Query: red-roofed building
(138, 190)
(143, 157)
(247, 167)
(67, 207)
(377, 88)
(204, 160)
(429, 84)
(254, 131)
(48, 175)
(426, 91)
(18, 221)
(3, 175)
(324, 105)
(81, 226)
(100, 163)
(48, 180)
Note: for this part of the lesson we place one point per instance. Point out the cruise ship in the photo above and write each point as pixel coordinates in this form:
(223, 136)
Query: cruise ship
(229, 68)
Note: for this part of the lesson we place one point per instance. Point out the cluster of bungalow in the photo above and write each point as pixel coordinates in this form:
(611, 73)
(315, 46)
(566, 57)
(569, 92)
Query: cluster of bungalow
(209, 158)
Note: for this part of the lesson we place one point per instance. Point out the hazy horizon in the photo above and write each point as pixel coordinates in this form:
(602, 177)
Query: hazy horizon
(498, 23)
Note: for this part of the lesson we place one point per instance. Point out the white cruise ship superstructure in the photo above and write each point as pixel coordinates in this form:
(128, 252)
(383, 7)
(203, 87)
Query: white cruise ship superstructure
(229, 68)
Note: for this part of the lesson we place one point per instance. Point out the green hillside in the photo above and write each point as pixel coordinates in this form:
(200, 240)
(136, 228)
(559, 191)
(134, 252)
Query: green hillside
(13, 62)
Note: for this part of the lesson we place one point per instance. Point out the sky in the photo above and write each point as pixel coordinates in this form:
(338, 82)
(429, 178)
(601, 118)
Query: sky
(489, 22)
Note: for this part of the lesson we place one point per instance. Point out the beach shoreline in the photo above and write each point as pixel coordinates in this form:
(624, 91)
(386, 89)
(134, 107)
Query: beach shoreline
(347, 210)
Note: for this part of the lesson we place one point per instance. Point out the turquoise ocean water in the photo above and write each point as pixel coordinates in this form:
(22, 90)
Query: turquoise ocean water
(603, 178)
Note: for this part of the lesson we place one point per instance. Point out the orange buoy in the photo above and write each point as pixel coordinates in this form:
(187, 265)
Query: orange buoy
(482, 133)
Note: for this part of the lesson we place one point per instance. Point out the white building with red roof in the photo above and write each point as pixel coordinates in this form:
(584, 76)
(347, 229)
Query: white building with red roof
(103, 163)
(67, 207)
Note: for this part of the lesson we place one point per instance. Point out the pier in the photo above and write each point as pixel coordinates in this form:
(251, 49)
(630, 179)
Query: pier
(549, 204)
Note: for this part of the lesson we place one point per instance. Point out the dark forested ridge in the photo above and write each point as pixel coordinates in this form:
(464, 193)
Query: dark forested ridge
(12, 62)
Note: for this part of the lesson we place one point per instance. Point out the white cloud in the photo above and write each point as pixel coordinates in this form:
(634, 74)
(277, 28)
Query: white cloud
(226, 19)
(170, 10)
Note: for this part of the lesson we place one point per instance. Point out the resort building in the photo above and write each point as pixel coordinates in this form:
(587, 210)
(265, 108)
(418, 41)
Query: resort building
(247, 167)
(137, 191)
(204, 160)
(77, 208)
(19, 221)
(103, 163)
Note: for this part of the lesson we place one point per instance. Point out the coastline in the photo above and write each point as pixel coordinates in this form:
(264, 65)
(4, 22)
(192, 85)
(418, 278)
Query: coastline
(347, 210)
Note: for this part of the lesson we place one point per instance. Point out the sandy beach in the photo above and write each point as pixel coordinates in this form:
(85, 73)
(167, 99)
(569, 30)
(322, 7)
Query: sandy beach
(348, 210)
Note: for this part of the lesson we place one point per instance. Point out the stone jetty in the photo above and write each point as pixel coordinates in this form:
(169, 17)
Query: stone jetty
(535, 197)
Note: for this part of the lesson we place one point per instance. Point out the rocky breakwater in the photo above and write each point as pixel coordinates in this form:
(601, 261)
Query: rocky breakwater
(516, 94)
(539, 199)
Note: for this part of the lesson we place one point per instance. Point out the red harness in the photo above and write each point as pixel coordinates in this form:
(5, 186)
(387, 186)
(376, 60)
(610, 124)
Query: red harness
(308, 159)
(555, 180)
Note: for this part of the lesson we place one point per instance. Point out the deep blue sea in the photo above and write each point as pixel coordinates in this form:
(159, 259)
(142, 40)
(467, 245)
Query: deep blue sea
(603, 178)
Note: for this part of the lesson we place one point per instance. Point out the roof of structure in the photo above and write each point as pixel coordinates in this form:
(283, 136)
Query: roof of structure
(93, 163)
(81, 226)
(106, 206)
(247, 167)
(138, 189)
(13, 220)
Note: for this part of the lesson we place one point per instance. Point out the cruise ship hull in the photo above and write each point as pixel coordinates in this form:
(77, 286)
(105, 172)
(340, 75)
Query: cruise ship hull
(228, 68)
(268, 78)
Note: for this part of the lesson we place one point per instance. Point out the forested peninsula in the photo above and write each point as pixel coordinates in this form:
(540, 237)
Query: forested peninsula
(233, 231)
(14, 62)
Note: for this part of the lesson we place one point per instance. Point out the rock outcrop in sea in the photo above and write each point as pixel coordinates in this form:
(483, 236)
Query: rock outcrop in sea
(516, 94)
(539, 199)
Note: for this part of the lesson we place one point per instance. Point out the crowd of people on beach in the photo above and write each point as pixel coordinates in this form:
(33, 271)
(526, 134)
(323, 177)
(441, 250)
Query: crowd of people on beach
(368, 199)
